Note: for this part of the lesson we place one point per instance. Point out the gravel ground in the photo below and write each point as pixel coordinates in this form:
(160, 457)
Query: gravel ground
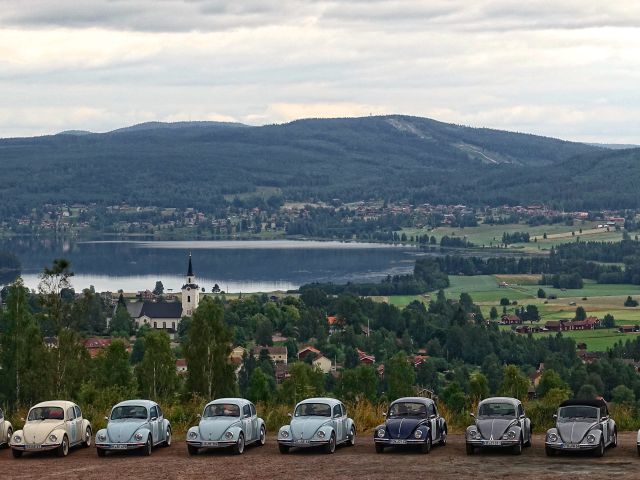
(360, 461)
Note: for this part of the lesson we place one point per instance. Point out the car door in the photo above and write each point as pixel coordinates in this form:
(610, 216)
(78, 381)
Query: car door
(153, 424)
(432, 415)
(70, 425)
(78, 420)
(162, 434)
(254, 422)
(345, 421)
(246, 423)
(604, 422)
(3, 434)
(337, 422)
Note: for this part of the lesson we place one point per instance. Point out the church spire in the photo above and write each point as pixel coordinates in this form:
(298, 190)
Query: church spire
(190, 270)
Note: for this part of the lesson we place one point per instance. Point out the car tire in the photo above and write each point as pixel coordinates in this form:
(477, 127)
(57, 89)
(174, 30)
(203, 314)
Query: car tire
(426, 446)
(380, 448)
(284, 449)
(614, 439)
(330, 447)
(63, 449)
(470, 449)
(9, 435)
(101, 452)
(238, 448)
(192, 450)
(262, 439)
(637, 447)
(599, 452)
(87, 438)
(167, 441)
(443, 438)
(517, 449)
(16, 453)
(148, 447)
(528, 442)
(551, 452)
(351, 439)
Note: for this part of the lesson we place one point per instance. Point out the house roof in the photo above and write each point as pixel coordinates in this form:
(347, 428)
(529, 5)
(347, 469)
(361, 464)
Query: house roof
(134, 308)
(181, 362)
(308, 348)
(271, 350)
(162, 310)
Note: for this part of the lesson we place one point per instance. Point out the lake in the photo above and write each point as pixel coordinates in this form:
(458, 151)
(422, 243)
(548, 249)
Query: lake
(236, 266)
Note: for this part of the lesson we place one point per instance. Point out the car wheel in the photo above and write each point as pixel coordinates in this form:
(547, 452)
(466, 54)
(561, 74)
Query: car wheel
(599, 452)
(167, 442)
(101, 452)
(87, 438)
(470, 449)
(443, 438)
(263, 437)
(517, 449)
(331, 446)
(551, 452)
(528, 442)
(638, 450)
(63, 449)
(238, 448)
(16, 453)
(148, 447)
(426, 446)
(614, 439)
(9, 435)
(284, 449)
(380, 448)
(192, 450)
(351, 439)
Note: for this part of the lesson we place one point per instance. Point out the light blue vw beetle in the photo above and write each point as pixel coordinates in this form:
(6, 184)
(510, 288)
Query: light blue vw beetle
(134, 424)
(318, 422)
(227, 422)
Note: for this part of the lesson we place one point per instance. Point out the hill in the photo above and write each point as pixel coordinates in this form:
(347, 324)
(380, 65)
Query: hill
(394, 157)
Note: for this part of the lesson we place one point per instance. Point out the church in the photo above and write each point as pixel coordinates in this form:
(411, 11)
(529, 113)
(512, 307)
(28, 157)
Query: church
(167, 315)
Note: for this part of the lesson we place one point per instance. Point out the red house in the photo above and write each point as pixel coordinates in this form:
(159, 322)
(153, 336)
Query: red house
(308, 350)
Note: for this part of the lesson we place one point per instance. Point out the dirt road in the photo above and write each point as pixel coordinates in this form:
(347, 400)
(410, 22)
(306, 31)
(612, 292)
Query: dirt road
(359, 462)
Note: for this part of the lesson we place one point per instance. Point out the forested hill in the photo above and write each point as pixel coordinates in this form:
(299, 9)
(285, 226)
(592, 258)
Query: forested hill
(392, 157)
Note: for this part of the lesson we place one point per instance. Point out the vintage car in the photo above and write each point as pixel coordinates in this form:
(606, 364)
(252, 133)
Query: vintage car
(6, 430)
(227, 422)
(317, 422)
(132, 425)
(582, 425)
(411, 421)
(56, 425)
(500, 422)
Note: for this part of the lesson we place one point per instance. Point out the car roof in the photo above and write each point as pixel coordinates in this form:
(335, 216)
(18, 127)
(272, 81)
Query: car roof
(511, 400)
(135, 403)
(55, 403)
(585, 403)
(330, 401)
(239, 401)
(424, 400)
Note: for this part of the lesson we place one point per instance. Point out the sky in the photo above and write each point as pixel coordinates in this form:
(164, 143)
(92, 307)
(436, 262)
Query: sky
(562, 68)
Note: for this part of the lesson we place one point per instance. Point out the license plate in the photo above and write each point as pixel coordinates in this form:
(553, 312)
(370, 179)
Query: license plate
(33, 447)
(301, 442)
(493, 443)
(119, 447)
(571, 445)
(399, 442)
(209, 444)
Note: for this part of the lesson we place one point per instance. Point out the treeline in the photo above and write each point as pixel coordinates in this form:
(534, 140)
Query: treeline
(515, 237)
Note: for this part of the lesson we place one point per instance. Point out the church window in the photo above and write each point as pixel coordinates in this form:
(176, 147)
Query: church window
(164, 324)
(155, 324)
(189, 298)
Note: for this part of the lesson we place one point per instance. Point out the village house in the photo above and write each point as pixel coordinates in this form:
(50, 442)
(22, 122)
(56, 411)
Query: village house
(510, 320)
(365, 357)
(525, 329)
(589, 323)
(237, 353)
(308, 350)
(181, 366)
(276, 354)
(323, 363)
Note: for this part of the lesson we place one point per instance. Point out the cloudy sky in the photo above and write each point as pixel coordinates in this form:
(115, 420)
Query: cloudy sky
(564, 68)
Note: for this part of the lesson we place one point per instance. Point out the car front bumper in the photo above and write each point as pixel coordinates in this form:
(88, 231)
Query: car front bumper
(572, 447)
(120, 446)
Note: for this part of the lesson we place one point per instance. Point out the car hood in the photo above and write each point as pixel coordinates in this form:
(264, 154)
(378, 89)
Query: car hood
(403, 427)
(494, 428)
(214, 428)
(304, 428)
(574, 432)
(122, 430)
(38, 431)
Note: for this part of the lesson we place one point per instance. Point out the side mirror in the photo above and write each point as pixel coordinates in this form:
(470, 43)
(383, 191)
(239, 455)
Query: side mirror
(153, 419)
(106, 418)
(337, 415)
(384, 414)
(555, 416)
(289, 415)
(247, 415)
(22, 419)
(472, 415)
(198, 416)
(433, 415)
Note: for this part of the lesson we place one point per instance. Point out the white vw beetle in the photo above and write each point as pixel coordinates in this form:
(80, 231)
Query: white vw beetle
(56, 425)
(6, 430)
(315, 422)
(227, 422)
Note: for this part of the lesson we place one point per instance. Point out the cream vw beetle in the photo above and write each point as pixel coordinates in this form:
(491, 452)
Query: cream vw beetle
(6, 430)
(56, 425)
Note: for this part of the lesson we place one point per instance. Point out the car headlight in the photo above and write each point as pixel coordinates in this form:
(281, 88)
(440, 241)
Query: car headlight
(53, 438)
(138, 436)
(193, 435)
(228, 435)
(381, 432)
(418, 434)
(320, 434)
(552, 437)
(591, 438)
(17, 438)
(510, 435)
(102, 437)
(284, 434)
(474, 434)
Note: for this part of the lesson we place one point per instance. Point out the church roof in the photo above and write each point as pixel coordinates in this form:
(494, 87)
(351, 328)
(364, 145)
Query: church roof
(162, 310)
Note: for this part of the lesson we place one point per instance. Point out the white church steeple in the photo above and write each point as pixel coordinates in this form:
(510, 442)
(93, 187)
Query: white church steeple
(190, 292)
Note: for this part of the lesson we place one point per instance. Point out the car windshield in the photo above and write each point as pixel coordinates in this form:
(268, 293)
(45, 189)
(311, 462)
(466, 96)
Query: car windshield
(578, 412)
(497, 409)
(222, 410)
(46, 413)
(129, 411)
(407, 409)
(313, 410)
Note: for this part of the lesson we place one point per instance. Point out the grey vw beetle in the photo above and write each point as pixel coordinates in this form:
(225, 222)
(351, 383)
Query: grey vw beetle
(582, 425)
(132, 425)
(501, 422)
(318, 422)
(227, 422)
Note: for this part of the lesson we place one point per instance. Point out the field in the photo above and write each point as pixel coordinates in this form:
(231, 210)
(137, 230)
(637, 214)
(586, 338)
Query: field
(361, 461)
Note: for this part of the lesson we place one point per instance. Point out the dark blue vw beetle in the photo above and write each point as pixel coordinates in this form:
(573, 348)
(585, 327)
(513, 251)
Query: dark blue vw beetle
(411, 421)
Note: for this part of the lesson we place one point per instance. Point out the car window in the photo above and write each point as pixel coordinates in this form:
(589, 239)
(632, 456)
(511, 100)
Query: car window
(313, 410)
(253, 409)
(520, 411)
(154, 412)
(578, 413)
(344, 409)
(222, 410)
(246, 410)
(337, 411)
(129, 411)
(431, 409)
(407, 409)
(1, 414)
(159, 411)
(46, 413)
(71, 414)
(78, 412)
(496, 409)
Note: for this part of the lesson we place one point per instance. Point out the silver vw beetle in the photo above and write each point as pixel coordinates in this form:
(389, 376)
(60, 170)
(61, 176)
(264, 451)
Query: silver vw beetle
(582, 425)
(132, 425)
(500, 422)
(227, 422)
(318, 422)
(6, 430)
